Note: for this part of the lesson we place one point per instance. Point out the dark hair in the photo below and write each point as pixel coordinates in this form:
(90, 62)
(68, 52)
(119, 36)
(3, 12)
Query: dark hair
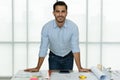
(61, 3)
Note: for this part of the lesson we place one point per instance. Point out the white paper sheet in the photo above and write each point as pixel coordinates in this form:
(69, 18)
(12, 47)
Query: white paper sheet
(115, 75)
(23, 74)
(72, 76)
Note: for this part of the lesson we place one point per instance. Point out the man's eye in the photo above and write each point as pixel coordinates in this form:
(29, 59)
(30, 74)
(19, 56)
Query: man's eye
(57, 11)
(63, 11)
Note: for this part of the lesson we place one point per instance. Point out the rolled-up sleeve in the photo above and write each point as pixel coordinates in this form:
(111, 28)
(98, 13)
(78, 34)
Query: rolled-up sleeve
(75, 40)
(44, 43)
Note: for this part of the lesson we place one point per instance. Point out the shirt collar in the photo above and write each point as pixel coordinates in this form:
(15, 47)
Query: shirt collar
(64, 26)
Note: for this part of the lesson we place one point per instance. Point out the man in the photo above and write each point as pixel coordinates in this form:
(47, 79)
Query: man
(61, 36)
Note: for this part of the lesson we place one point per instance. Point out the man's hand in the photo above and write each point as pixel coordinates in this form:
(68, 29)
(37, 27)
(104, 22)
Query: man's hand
(32, 70)
(36, 69)
(84, 70)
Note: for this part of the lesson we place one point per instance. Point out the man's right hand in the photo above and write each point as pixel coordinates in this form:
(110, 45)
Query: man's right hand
(32, 70)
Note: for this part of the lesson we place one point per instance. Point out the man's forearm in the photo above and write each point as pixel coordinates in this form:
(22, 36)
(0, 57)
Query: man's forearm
(40, 61)
(77, 60)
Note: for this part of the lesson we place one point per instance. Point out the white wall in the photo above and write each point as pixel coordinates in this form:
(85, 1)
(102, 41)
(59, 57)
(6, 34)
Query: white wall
(21, 22)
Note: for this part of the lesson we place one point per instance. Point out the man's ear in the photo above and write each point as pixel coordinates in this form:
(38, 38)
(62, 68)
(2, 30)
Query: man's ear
(67, 13)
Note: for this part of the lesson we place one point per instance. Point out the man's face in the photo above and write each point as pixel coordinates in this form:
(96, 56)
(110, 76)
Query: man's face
(60, 13)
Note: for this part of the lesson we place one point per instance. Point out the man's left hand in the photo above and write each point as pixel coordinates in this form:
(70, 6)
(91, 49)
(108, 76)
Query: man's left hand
(84, 70)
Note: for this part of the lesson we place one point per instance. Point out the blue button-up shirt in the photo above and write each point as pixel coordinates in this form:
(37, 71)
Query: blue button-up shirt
(59, 40)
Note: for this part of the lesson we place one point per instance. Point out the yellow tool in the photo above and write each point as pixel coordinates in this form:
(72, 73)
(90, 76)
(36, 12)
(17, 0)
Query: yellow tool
(82, 77)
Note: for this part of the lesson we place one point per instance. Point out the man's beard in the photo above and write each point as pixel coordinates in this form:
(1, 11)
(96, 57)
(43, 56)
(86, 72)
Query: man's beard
(60, 20)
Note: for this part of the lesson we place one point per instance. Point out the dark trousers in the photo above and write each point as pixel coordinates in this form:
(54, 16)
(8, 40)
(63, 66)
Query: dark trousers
(60, 63)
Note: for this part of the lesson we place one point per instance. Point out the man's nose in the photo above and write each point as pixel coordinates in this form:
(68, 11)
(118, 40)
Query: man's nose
(60, 13)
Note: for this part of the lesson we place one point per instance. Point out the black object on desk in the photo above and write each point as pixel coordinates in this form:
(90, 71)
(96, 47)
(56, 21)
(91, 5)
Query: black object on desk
(64, 71)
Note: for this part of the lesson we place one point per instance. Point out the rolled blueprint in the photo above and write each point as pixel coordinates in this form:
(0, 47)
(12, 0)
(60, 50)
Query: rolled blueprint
(99, 74)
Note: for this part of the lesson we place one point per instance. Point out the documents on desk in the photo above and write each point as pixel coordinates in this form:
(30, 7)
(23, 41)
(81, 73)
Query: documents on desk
(116, 75)
(72, 76)
(22, 75)
(96, 74)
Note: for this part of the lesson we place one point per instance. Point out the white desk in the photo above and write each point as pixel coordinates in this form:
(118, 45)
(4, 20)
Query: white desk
(43, 75)
(21, 75)
(72, 76)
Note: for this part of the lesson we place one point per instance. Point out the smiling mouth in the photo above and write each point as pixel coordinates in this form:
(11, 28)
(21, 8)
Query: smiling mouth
(60, 18)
